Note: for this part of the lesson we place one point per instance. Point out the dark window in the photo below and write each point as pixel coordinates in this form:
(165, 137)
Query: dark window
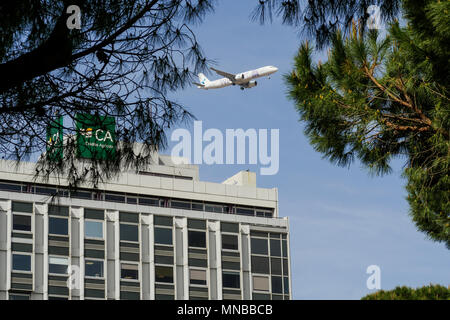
(58, 226)
(231, 280)
(163, 274)
(196, 224)
(129, 232)
(131, 200)
(114, 197)
(94, 268)
(286, 285)
(230, 242)
(285, 251)
(47, 191)
(260, 265)
(275, 265)
(275, 248)
(16, 296)
(285, 267)
(163, 236)
(229, 227)
(163, 221)
(10, 187)
(81, 195)
(180, 204)
(213, 208)
(197, 239)
(259, 246)
(246, 212)
(277, 285)
(21, 223)
(129, 272)
(197, 206)
(22, 207)
(148, 202)
(21, 262)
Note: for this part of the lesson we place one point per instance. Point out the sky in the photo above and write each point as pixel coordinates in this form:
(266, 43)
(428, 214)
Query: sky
(342, 220)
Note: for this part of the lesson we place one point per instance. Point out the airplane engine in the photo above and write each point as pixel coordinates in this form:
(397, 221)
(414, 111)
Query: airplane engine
(252, 84)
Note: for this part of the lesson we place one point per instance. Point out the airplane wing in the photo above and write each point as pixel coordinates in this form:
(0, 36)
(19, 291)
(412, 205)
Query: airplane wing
(198, 84)
(230, 76)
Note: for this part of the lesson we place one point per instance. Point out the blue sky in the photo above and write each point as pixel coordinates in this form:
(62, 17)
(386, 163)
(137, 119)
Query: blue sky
(342, 219)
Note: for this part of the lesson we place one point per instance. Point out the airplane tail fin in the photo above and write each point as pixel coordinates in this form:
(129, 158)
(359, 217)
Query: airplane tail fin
(203, 79)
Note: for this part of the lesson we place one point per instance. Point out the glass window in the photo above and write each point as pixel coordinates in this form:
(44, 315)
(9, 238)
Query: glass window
(58, 226)
(286, 285)
(230, 242)
(245, 211)
(197, 276)
(93, 229)
(93, 268)
(261, 283)
(129, 271)
(260, 264)
(231, 279)
(163, 236)
(285, 251)
(275, 265)
(129, 232)
(58, 265)
(21, 262)
(17, 296)
(259, 246)
(180, 204)
(275, 248)
(21, 223)
(163, 274)
(197, 239)
(277, 285)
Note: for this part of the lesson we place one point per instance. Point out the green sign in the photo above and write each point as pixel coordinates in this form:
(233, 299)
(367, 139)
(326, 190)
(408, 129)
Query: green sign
(96, 136)
(55, 139)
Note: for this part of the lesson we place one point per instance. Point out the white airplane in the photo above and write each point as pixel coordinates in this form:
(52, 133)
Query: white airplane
(244, 79)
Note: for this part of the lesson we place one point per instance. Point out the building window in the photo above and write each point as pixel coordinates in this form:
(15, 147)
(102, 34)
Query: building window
(93, 229)
(93, 268)
(57, 265)
(163, 236)
(164, 274)
(259, 246)
(129, 232)
(58, 226)
(231, 279)
(260, 264)
(261, 283)
(277, 285)
(19, 296)
(197, 277)
(21, 222)
(21, 262)
(129, 271)
(230, 242)
(197, 239)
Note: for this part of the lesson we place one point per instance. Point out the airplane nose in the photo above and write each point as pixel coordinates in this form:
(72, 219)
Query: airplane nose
(275, 69)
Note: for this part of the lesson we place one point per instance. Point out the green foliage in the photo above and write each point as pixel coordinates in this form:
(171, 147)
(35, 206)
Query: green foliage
(376, 99)
(430, 292)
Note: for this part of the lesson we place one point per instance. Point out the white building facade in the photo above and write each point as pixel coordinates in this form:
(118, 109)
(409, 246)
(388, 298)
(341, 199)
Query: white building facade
(158, 234)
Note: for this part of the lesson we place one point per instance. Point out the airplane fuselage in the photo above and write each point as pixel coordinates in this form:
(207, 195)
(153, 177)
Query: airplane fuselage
(244, 79)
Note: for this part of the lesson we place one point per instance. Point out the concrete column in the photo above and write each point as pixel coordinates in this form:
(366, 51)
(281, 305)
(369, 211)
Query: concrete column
(5, 248)
(112, 239)
(181, 260)
(246, 262)
(146, 235)
(215, 260)
(76, 276)
(40, 252)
